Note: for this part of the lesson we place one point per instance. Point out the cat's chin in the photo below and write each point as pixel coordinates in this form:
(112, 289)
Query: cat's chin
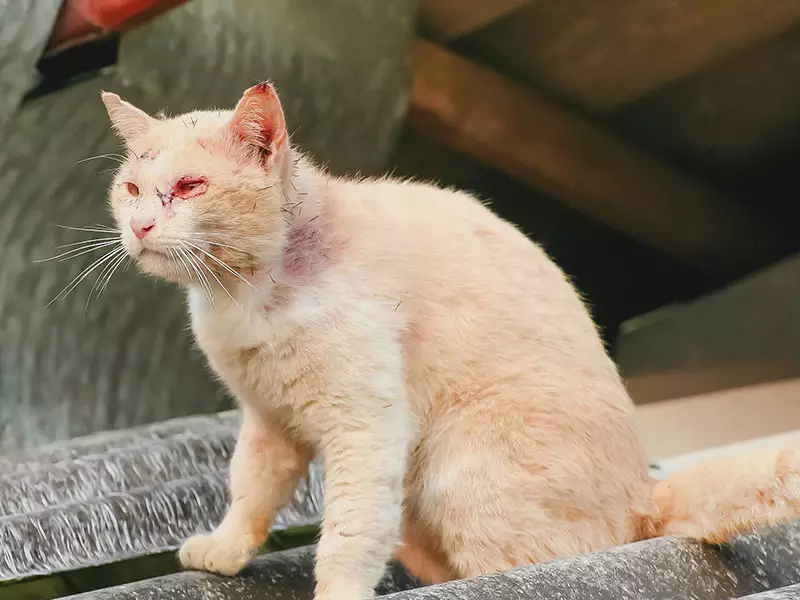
(159, 264)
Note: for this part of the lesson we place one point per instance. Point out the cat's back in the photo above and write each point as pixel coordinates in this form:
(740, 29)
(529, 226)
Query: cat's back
(423, 209)
(468, 283)
(447, 245)
(439, 229)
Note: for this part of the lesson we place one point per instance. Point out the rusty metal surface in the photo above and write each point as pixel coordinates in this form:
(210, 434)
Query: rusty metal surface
(67, 370)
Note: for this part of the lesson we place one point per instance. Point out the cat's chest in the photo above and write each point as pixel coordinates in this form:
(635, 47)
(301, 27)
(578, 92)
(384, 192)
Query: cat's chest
(250, 340)
(262, 354)
(229, 329)
(243, 346)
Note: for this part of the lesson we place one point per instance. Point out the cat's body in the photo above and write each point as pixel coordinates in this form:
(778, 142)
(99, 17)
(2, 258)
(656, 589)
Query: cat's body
(412, 291)
(444, 367)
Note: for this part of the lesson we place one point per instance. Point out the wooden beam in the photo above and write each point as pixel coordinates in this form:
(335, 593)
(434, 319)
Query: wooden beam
(489, 117)
(602, 54)
(743, 108)
(446, 20)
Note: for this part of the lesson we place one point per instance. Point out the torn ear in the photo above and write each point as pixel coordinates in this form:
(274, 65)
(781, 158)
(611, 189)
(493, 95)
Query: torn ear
(129, 122)
(258, 120)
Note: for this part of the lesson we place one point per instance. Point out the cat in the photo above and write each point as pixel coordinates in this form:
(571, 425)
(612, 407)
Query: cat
(467, 413)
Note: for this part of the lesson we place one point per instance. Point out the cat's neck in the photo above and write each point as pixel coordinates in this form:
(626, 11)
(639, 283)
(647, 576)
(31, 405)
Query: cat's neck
(304, 190)
(305, 246)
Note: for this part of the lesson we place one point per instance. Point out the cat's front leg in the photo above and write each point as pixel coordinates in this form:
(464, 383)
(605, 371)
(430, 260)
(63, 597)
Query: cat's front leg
(265, 469)
(366, 458)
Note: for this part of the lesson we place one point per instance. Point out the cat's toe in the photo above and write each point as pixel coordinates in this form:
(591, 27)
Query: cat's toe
(193, 552)
(208, 553)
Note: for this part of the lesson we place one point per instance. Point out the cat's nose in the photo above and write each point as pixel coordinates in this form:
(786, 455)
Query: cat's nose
(141, 227)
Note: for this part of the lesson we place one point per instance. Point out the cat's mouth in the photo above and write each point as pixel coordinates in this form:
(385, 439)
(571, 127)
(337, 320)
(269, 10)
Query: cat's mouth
(151, 252)
(156, 262)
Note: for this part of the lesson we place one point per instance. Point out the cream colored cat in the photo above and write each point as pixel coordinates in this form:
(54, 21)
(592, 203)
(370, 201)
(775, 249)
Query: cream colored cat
(467, 413)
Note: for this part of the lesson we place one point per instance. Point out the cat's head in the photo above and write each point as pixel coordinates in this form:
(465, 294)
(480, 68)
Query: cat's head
(201, 191)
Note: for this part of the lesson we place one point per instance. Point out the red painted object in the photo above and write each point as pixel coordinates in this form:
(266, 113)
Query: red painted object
(80, 20)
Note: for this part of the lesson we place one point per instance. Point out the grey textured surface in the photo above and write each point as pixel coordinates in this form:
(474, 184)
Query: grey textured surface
(657, 570)
(279, 576)
(67, 370)
(771, 559)
(122, 495)
(663, 569)
(24, 28)
(98, 443)
(791, 592)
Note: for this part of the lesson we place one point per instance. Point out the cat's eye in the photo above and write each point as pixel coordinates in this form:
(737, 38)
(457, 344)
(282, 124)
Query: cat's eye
(132, 188)
(188, 187)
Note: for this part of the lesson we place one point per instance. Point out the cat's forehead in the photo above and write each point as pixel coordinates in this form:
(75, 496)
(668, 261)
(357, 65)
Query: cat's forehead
(180, 131)
(199, 122)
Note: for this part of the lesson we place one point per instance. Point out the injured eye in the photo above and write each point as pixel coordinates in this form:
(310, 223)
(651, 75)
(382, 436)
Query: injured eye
(133, 189)
(186, 187)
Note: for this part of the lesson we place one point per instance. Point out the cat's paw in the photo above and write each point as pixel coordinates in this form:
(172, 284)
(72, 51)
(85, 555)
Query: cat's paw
(216, 554)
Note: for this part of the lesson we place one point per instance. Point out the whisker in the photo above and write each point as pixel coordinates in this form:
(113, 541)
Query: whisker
(221, 263)
(201, 234)
(220, 283)
(89, 229)
(95, 285)
(228, 246)
(176, 253)
(207, 283)
(98, 284)
(204, 283)
(193, 265)
(89, 241)
(117, 157)
(211, 233)
(85, 249)
(117, 264)
(196, 238)
(69, 254)
(207, 289)
(83, 274)
(219, 244)
(214, 275)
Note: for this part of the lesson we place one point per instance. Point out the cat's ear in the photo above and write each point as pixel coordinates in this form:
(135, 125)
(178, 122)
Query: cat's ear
(128, 121)
(258, 120)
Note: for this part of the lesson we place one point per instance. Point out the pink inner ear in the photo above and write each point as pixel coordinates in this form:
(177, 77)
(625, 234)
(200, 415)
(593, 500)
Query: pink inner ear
(258, 118)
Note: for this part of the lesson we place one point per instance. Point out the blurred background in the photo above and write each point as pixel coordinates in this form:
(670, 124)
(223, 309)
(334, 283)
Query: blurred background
(648, 145)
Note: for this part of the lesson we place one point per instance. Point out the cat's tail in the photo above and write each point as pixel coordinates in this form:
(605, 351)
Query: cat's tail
(720, 498)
